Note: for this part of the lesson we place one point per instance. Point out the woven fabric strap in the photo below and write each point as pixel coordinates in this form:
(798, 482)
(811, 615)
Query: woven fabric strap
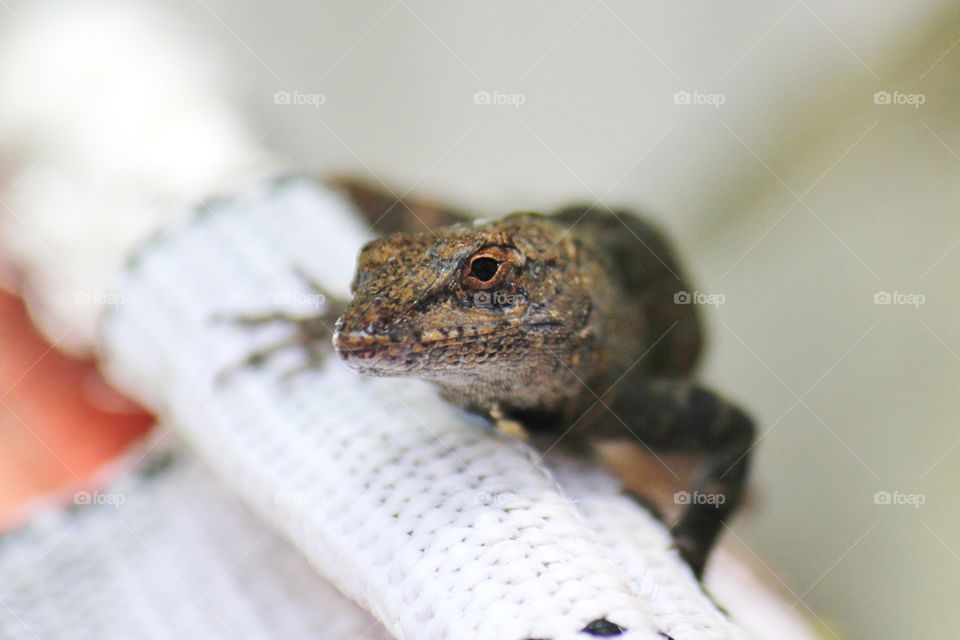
(434, 524)
(165, 551)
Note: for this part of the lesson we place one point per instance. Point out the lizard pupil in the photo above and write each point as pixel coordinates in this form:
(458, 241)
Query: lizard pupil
(484, 269)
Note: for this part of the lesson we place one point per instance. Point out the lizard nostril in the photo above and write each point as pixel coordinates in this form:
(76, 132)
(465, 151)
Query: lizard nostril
(603, 628)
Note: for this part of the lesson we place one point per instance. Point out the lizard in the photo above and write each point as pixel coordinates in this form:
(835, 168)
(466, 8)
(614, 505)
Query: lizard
(576, 325)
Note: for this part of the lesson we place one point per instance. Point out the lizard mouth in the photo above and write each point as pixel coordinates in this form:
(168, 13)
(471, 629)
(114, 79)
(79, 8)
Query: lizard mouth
(366, 353)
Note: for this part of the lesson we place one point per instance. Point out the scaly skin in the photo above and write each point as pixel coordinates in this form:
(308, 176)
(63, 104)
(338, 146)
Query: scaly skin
(567, 324)
(568, 307)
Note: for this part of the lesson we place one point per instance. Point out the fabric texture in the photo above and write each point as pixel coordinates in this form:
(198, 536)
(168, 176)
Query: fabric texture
(439, 527)
(164, 552)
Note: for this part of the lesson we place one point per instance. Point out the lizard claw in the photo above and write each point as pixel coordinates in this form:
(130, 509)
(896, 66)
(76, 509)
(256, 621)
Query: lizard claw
(311, 334)
(511, 428)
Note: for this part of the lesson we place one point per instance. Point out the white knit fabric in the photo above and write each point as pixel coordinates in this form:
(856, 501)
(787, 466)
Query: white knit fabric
(440, 528)
(170, 553)
(165, 554)
(436, 526)
(642, 548)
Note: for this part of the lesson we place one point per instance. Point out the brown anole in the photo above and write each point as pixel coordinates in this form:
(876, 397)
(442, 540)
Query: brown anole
(573, 326)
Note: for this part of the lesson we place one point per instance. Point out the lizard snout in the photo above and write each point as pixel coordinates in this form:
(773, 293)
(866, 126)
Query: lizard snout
(357, 344)
(364, 352)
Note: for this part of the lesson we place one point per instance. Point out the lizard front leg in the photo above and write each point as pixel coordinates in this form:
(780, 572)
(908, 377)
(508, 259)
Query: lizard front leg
(311, 334)
(678, 416)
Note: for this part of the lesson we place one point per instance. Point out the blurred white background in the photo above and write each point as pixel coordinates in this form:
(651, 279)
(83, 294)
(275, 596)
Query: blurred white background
(806, 157)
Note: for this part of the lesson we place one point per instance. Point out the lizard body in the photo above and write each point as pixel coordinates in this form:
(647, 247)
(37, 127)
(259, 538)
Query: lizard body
(569, 324)
(564, 305)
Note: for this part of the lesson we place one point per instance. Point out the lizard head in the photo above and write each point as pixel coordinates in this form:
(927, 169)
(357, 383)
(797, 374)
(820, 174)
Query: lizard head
(465, 303)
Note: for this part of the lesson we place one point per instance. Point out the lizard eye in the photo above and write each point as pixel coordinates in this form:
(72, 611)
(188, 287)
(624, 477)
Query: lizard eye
(485, 269)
